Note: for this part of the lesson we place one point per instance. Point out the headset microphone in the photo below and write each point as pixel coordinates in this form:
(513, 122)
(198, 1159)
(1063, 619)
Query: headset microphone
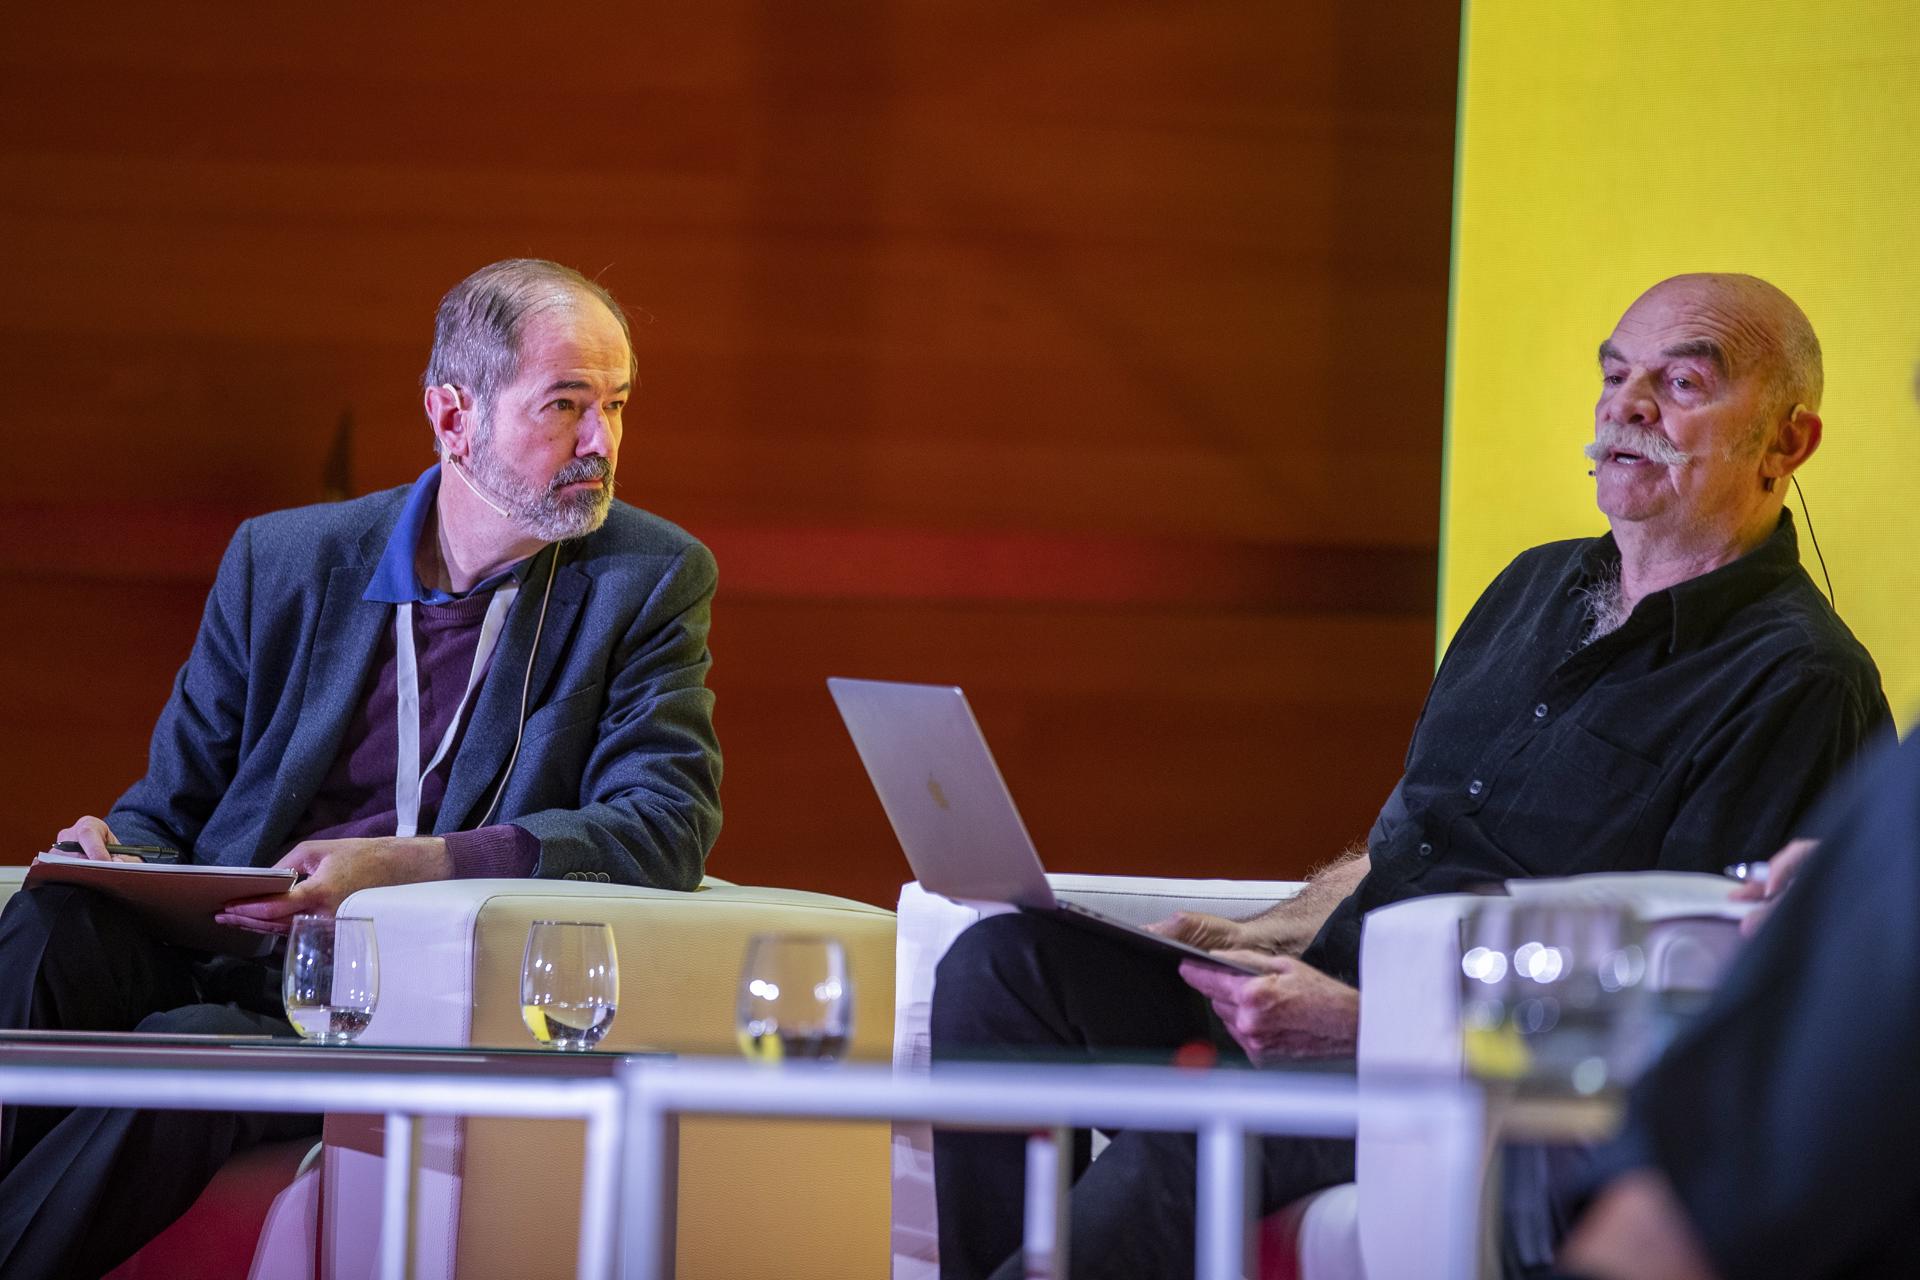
(460, 469)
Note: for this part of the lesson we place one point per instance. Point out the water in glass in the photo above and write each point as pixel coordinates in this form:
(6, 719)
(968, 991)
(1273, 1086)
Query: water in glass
(569, 983)
(796, 1000)
(331, 983)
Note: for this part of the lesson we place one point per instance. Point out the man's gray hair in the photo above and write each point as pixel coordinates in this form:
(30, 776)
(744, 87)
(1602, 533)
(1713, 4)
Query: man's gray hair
(476, 332)
(1800, 377)
(1788, 347)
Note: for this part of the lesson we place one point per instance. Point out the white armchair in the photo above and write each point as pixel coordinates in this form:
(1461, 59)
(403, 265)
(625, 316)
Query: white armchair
(1388, 1223)
(928, 924)
(496, 1195)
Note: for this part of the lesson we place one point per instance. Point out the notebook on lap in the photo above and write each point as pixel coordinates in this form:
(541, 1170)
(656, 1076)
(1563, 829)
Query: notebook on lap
(952, 812)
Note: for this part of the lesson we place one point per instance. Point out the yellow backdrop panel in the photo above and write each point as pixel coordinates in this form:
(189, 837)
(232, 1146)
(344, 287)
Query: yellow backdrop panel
(1607, 145)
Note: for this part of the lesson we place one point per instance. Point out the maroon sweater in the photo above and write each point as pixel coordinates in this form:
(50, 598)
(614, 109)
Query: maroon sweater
(356, 800)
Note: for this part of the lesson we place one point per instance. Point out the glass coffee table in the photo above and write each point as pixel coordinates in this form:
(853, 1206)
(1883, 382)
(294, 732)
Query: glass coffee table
(263, 1073)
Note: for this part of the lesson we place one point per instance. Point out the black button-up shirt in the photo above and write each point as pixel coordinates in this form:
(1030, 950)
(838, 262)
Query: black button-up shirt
(1696, 735)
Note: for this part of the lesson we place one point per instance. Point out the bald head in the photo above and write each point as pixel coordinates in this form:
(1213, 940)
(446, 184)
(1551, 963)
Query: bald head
(1766, 332)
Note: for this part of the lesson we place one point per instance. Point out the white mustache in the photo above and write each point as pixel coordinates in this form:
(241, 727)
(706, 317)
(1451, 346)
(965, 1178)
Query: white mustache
(1615, 437)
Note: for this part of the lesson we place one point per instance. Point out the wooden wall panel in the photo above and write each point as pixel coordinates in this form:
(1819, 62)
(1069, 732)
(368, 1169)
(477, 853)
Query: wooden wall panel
(1088, 355)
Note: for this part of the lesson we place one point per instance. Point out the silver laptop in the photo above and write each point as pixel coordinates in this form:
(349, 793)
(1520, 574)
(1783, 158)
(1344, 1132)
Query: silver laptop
(951, 810)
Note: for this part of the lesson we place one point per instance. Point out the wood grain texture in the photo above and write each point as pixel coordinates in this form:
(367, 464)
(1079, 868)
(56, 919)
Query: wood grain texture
(1089, 355)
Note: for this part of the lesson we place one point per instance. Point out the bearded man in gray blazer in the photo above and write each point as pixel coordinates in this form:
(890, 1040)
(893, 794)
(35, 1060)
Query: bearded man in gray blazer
(495, 671)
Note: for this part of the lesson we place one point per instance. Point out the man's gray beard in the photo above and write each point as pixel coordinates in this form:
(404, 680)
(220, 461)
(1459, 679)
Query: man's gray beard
(548, 514)
(1606, 604)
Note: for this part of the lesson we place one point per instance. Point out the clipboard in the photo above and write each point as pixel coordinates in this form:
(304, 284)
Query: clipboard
(178, 900)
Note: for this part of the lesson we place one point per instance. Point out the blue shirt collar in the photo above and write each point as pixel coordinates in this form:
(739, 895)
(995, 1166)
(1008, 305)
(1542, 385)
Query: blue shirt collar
(395, 580)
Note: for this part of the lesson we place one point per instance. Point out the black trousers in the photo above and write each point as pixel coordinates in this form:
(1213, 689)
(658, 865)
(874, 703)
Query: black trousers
(82, 1189)
(1028, 986)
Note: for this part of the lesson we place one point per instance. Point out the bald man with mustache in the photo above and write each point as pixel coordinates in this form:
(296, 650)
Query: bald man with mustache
(1673, 694)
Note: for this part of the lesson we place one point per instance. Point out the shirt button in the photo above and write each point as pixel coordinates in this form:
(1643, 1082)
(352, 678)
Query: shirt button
(1540, 712)
(1475, 787)
(1426, 850)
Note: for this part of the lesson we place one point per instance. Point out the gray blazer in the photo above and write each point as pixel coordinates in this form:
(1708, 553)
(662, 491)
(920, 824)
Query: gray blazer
(619, 769)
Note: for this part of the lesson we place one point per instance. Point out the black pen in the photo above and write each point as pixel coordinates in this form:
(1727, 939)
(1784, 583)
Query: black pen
(144, 852)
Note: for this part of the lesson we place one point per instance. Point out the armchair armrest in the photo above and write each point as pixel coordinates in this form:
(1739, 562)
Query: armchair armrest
(1410, 1022)
(451, 953)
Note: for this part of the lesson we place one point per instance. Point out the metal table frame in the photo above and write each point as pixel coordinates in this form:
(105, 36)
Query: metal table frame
(1228, 1110)
(359, 1083)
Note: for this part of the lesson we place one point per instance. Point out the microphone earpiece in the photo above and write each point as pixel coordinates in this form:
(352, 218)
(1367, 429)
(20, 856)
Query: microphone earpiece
(460, 469)
(459, 464)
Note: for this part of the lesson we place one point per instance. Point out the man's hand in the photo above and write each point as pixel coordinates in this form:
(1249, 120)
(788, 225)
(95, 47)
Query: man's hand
(1209, 932)
(1636, 1226)
(335, 869)
(93, 836)
(1782, 867)
(1291, 1011)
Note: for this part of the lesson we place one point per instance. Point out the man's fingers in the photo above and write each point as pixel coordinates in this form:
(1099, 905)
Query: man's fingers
(1785, 865)
(259, 909)
(306, 856)
(277, 906)
(1211, 980)
(1208, 932)
(92, 835)
(1174, 926)
(252, 925)
(1264, 961)
(1195, 928)
(1752, 922)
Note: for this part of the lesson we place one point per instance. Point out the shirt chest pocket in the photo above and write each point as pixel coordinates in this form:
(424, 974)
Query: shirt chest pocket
(1576, 803)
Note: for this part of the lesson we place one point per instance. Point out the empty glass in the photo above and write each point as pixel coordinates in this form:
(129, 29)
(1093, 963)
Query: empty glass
(332, 978)
(569, 983)
(795, 999)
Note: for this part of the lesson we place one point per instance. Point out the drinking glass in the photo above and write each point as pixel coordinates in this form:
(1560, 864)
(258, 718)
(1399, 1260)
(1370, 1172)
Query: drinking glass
(332, 978)
(1554, 993)
(795, 999)
(569, 983)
